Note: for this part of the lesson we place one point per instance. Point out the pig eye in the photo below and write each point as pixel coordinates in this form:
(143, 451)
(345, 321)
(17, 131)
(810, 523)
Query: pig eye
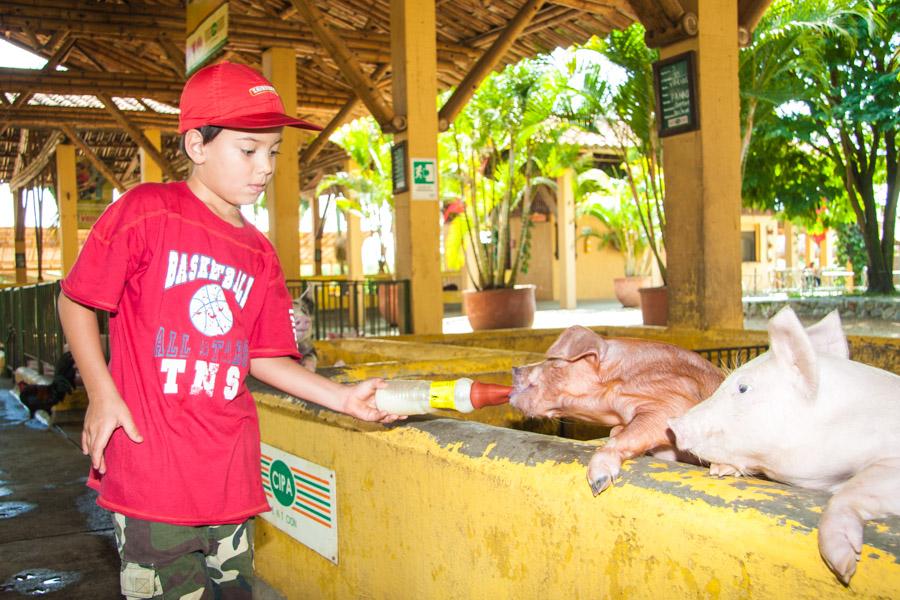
(743, 388)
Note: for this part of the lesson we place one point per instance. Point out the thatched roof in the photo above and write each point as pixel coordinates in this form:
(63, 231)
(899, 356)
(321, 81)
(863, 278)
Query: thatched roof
(131, 55)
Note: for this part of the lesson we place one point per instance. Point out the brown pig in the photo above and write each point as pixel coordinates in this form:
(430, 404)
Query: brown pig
(633, 386)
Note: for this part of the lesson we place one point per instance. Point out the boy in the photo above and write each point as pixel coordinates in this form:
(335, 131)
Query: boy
(197, 301)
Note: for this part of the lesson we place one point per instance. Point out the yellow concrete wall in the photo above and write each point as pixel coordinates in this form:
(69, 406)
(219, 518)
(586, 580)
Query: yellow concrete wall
(440, 507)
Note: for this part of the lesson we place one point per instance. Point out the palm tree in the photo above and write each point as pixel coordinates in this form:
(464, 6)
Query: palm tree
(627, 112)
(371, 185)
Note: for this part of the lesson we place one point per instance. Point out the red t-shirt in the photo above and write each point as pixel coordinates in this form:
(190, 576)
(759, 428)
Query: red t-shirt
(193, 299)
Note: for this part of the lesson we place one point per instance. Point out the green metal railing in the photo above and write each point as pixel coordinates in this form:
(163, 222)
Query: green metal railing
(32, 335)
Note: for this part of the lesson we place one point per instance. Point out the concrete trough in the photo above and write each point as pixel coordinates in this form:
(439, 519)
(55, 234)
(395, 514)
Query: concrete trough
(492, 505)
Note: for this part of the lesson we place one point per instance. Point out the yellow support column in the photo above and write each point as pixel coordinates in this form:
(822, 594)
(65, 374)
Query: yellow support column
(703, 181)
(150, 171)
(417, 213)
(565, 209)
(283, 192)
(67, 202)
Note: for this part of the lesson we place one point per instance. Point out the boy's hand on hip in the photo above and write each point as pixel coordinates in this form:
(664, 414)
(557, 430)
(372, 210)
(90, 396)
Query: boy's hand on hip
(104, 415)
(359, 402)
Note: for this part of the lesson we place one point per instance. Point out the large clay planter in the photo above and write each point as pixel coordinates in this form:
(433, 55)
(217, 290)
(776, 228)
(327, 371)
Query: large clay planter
(503, 308)
(655, 305)
(626, 289)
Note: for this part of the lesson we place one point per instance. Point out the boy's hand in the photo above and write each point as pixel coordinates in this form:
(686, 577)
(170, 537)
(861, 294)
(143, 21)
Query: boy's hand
(104, 415)
(359, 402)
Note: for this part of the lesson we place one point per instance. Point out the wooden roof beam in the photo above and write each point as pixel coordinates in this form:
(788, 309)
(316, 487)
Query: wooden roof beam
(52, 117)
(311, 151)
(55, 59)
(138, 136)
(486, 63)
(173, 53)
(360, 82)
(36, 166)
(166, 88)
(92, 158)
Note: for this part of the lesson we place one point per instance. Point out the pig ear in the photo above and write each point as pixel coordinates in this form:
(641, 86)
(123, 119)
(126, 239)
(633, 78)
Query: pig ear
(828, 337)
(793, 350)
(577, 342)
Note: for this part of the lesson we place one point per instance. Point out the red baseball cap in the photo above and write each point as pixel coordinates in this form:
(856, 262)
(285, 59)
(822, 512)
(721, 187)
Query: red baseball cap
(234, 96)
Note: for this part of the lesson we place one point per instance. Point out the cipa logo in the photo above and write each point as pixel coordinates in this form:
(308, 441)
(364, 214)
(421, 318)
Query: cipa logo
(261, 89)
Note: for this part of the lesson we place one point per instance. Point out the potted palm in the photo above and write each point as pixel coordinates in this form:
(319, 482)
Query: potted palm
(492, 160)
(612, 206)
(628, 111)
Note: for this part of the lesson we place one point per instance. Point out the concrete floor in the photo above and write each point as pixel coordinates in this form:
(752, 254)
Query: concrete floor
(54, 540)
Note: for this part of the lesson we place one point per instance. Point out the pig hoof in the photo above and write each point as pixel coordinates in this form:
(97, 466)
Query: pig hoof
(600, 484)
(722, 470)
(840, 543)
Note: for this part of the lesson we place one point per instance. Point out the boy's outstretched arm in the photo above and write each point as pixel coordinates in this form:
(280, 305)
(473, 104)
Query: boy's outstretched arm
(355, 400)
(106, 409)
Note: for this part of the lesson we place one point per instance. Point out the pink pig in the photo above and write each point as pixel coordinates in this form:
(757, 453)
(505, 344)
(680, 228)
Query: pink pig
(805, 414)
(631, 385)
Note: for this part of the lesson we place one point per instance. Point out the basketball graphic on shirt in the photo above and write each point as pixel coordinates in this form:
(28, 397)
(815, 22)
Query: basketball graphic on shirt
(209, 311)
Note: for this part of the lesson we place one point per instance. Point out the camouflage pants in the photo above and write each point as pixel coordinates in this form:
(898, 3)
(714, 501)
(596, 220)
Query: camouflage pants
(160, 560)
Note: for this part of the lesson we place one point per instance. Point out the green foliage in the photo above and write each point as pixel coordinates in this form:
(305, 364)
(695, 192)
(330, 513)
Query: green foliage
(370, 181)
(851, 247)
(627, 112)
(501, 148)
(612, 205)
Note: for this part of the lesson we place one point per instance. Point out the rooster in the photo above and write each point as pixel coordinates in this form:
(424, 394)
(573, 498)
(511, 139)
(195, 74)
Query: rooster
(37, 396)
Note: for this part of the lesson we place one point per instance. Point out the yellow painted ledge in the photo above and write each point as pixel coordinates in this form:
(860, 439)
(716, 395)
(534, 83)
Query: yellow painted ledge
(442, 508)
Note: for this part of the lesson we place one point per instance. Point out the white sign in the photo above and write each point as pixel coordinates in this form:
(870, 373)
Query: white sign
(207, 39)
(303, 500)
(424, 179)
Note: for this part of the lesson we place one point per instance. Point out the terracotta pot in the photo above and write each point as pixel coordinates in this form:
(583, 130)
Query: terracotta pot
(626, 289)
(389, 303)
(655, 305)
(503, 308)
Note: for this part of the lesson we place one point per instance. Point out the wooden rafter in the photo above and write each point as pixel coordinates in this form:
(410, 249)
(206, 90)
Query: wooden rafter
(55, 59)
(487, 62)
(89, 82)
(92, 157)
(138, 136)
(319, 142)
(173, 53)
(36, 166)
(360, 82)
(52, 117)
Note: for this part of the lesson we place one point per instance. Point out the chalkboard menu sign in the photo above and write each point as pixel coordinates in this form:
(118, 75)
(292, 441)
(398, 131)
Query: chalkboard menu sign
(676, 98)
(399, 161)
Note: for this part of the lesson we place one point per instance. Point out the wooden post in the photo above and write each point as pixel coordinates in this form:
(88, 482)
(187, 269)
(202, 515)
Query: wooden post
(703, 181)
(150, 171)
(417, 218)
(283, 192)
(565, 208)
(20, 250)
(67, 203)
(317, 241)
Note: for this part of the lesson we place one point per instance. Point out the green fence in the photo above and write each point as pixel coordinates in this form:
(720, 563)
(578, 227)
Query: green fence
(32, 335)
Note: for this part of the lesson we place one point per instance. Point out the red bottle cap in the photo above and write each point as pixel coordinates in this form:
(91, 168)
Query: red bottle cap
(489, 394)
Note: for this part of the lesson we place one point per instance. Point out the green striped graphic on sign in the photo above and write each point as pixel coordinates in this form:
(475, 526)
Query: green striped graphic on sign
(311, 483)
(312, 510)
(314, 498)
